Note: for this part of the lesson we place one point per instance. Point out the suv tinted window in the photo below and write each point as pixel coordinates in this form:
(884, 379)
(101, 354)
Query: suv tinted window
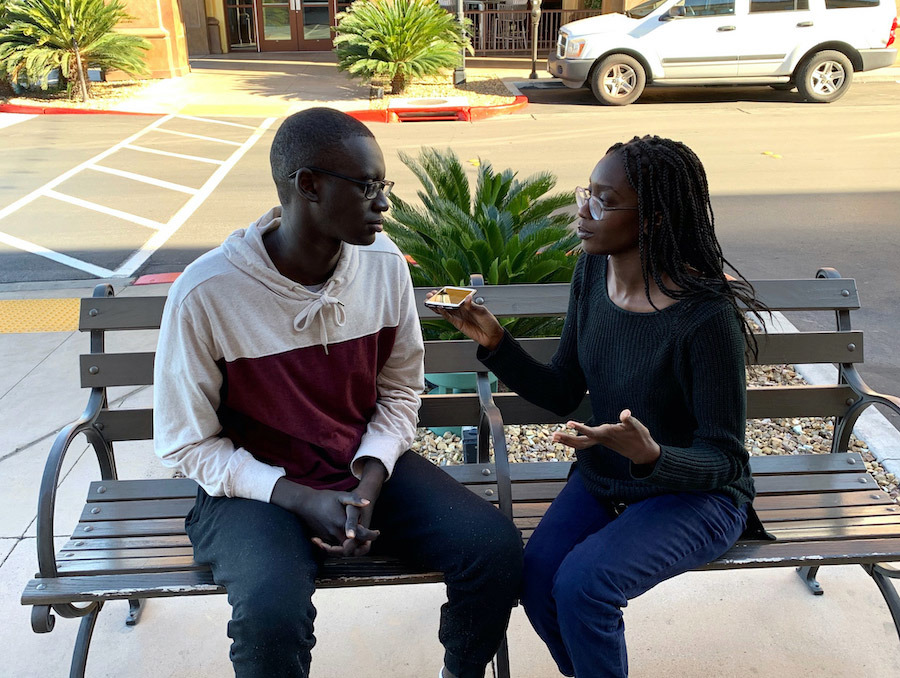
(709, 7)
(844, 4)
(778, 5)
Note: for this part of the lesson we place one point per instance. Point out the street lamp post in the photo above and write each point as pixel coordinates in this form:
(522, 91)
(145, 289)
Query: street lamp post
(459, 73)
(535, 23)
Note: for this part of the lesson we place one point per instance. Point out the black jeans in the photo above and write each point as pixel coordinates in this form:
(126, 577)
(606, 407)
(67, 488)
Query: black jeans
(264, 558)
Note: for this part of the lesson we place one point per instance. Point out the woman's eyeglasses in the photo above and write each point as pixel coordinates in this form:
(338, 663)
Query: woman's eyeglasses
(371, 188)
(597, 208)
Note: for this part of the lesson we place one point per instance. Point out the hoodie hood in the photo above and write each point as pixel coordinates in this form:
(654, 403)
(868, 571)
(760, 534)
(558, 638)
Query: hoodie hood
(245, 250)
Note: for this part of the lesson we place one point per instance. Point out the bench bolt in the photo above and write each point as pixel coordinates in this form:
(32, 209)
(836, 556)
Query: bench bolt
(489, 493)
(849, 401)
(479, 300)
(93, 369)
(874, 496)
(845, 293)
(41, 587)
(851, 460)
(89, 528)
(79, 543)
(485, 471)
(95, 510)
(101, 489)
(851, 347)
(863, 480)
(93, 313)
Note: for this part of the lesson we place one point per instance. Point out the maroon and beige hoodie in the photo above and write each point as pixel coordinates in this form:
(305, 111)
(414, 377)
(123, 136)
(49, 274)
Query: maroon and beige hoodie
(258, 377)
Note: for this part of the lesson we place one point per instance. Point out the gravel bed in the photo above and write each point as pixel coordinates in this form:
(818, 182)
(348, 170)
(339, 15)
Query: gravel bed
(800, 435)
(479, 90)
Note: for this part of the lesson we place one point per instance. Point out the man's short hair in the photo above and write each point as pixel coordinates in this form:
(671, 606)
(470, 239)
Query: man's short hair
(307, 138)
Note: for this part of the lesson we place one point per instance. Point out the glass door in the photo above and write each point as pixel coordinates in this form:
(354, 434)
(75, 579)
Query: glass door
(314, 21)
(241, 24)
(277, 26)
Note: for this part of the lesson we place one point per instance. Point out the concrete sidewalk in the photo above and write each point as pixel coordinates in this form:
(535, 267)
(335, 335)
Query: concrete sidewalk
(740, 624)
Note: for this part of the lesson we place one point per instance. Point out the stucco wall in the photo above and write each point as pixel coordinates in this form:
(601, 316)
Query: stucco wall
(159, 22)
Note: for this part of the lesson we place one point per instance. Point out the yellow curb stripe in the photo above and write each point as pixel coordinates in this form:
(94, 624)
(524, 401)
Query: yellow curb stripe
(18, 316)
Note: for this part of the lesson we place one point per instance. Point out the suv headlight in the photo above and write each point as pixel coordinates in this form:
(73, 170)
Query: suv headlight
(575, 47)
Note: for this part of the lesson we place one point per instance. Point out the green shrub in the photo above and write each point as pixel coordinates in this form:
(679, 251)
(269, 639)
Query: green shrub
(42, 35)
(510, 231)
(398, 40)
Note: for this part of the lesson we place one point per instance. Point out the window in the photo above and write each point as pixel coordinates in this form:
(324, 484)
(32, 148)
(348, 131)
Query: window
(778, 5)
(847, 4)
(707, 7)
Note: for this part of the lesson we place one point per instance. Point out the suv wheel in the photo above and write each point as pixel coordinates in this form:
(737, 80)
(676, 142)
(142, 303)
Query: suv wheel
(618, 80)
(824, 77)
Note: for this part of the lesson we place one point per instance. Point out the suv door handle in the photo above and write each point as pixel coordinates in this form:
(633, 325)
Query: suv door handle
(725, 28)
(804, 24)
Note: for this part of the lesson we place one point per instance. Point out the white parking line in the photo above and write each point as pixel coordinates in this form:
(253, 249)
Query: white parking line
(164, 231)
(10, 119)
(200, 136)
(137, 259)
(218, 122)
(103, 209)
(144, 179)
(144, 149)
(58, 257)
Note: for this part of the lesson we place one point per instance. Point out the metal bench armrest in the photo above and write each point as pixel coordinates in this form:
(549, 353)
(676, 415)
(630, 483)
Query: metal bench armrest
(491, 426)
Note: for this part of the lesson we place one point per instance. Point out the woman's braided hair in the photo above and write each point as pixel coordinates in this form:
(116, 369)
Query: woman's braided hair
(678, 238)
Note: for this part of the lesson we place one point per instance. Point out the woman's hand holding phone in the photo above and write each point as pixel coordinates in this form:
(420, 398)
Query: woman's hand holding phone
(473, 320)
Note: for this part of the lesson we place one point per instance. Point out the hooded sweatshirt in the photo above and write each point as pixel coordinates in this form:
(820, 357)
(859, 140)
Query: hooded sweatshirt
(258, 377)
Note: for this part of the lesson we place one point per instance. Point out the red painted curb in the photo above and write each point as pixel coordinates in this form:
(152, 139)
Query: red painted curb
(61, 110)
(156, 279)
(464, 113)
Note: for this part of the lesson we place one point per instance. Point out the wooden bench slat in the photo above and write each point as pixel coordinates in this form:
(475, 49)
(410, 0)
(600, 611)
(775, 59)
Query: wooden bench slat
(157, 488)
(835, 523)
(148, 509)
(75, 555)
(772, 517)
(129, 528)
(116, 543)
(790, 554)
(822, 500)
(806, 464)
(820, 482)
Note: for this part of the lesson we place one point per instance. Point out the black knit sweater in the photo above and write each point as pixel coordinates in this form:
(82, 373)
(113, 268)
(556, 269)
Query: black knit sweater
(680, 371)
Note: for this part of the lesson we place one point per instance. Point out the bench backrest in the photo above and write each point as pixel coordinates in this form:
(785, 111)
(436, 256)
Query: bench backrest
(838, 296)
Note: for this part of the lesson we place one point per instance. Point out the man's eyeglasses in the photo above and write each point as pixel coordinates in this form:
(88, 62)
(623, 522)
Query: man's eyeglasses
(371, 188)
(597, 208)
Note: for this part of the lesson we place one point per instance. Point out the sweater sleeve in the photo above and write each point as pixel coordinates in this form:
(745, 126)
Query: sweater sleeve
(558, 386)
(717, 377)
(186, 395)
(392, 428)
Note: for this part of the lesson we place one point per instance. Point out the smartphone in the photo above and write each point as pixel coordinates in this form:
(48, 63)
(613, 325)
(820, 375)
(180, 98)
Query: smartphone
(450, 297)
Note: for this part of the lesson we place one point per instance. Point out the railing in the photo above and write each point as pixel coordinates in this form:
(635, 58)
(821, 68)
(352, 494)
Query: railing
(496, 31)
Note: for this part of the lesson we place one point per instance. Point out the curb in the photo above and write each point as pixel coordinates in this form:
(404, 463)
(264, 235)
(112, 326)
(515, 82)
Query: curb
(463, 113)
(62, 110)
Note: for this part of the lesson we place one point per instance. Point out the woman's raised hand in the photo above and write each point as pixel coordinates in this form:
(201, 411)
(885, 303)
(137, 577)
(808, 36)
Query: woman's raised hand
(629, 437)
(473, 320)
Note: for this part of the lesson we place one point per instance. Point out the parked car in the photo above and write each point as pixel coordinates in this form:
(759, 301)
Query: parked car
(813, 45)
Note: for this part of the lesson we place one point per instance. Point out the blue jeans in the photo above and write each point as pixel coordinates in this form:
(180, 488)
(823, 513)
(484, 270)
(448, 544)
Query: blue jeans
(264, 558)
(583, 564)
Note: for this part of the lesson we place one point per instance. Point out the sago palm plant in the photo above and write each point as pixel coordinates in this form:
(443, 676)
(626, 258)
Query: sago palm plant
(69, 35)
(398, 40)
(511, 231)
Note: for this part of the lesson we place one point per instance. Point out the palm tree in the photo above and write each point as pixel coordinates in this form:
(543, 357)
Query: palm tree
(70, 35)
(398, 39)
(511, 231)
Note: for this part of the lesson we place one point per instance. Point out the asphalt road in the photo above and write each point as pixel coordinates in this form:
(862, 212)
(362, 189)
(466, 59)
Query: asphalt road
(795, 186)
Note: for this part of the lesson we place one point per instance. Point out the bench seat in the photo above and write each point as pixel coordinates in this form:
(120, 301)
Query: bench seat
(130, 540)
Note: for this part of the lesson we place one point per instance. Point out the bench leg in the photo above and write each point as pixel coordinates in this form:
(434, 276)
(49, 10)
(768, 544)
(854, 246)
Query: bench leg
(501, 661)
(808, 575)
(881, 576)
(135, 607)
(83, 643)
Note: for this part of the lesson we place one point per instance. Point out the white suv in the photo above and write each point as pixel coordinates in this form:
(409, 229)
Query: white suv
(813, 45)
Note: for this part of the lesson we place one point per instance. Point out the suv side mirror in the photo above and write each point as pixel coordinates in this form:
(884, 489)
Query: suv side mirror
(675, 12)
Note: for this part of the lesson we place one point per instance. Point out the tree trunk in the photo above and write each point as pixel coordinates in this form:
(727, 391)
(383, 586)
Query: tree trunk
(398, 83)
(80, 73)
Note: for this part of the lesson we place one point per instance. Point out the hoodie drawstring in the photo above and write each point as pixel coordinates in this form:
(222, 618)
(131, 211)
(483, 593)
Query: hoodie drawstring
(315, 310)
